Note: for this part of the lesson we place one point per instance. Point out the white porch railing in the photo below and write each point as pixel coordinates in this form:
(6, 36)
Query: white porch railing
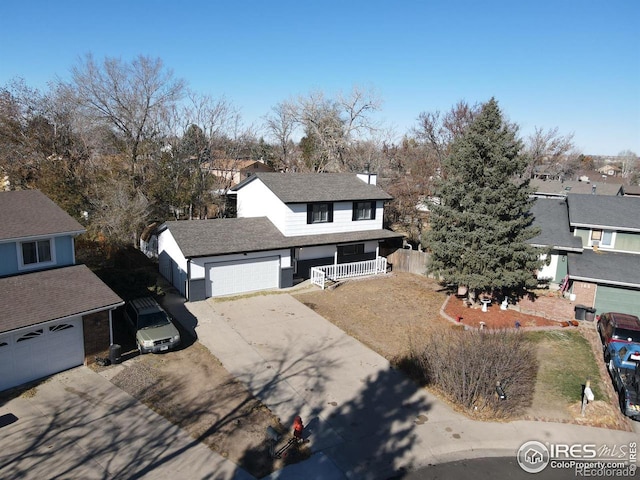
(319, 275)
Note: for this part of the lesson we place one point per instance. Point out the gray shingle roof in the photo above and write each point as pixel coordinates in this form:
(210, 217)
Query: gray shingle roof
(317, 187)
(550, 214)
(222, 236)
(605, 267)
(557, 188)
(30, 213)
(46, 295)
(605, 212)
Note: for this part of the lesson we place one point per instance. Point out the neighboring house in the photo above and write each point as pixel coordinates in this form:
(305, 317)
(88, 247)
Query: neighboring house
(556, 188)
(609, 170)
(609, 268)
(287, 224)
(55, 314)
(594, 243)
(235, 171)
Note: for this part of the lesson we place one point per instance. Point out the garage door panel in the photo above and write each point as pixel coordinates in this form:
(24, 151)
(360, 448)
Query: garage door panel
(612, 299)
(233, 277)
(40, 351)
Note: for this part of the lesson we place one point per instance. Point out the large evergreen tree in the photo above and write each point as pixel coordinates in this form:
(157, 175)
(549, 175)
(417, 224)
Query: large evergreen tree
(478, 234)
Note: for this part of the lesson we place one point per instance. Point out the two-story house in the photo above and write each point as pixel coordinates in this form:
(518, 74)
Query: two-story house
(606, 275)
(594, 248)
(286, 224)
(55, 314)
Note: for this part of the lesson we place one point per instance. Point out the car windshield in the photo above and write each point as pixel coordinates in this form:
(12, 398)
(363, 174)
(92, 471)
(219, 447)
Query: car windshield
(625, 334)
(155, 319)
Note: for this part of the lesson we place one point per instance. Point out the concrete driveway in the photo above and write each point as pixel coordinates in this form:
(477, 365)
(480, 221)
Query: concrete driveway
(78, 425)
(365, 419)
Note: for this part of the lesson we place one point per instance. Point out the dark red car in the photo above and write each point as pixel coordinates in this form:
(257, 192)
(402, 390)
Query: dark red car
(618, 327)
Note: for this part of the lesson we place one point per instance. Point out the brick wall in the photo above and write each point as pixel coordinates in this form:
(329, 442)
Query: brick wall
(585, 293)
(96, 336)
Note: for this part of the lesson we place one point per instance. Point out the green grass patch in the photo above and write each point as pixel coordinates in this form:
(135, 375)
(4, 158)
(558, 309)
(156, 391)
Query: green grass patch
(566, 362)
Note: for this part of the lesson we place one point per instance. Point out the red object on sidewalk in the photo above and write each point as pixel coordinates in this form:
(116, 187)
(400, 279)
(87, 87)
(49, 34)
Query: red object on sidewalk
(298, 427)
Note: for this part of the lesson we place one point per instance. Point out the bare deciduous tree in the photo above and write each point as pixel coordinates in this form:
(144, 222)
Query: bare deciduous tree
(548, 147)
(628, 163)
(133, 98)
(280, 124)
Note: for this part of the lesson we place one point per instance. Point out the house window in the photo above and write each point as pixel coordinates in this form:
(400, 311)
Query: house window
(320, 213)
(364, 211)
(602, 238)
(36, 252)
(354, 249)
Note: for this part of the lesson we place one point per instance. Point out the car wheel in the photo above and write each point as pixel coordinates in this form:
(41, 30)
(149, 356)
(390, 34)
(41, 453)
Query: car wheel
(607, 356)
(623, 402)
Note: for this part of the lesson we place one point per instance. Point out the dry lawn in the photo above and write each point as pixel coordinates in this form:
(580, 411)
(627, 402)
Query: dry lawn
(391, 313)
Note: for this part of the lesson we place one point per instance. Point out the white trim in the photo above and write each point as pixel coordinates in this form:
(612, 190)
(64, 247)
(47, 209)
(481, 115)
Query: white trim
(49, 235)
(37, 265)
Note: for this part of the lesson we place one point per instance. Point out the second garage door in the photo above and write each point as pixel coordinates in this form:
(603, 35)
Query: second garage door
(240, 276)
(41, 350)
(617, 299)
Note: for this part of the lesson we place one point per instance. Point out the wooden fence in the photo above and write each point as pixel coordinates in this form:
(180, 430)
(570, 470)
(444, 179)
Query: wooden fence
(412, 261)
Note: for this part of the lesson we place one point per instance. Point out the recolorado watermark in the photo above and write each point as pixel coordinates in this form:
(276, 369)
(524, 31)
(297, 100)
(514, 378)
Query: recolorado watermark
(585, 460)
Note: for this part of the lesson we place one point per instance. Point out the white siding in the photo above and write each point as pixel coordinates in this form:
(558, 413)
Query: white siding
(256, 200)
(548, 272)
(166, 243)
(296, 220)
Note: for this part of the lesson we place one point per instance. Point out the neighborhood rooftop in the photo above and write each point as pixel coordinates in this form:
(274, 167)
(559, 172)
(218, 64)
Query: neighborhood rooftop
(61, 293)
(29, 213)
(317, 187)
(604, 212)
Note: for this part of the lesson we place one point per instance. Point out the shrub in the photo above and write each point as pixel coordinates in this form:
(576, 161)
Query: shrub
(466, 367)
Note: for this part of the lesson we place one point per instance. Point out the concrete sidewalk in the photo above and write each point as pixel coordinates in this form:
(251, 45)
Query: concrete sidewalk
(77, 424)
(365, 419)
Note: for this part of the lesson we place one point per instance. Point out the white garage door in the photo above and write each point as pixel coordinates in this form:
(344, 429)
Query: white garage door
(42, 350)
(240, 276)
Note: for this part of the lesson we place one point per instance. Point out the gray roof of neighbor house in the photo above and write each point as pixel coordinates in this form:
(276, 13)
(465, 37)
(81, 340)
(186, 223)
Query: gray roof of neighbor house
(223, 236)
(550, 214)
(611, 268)
(45, 295)
(317, 187)
(604, 212)
(30, 213)
(558, 188)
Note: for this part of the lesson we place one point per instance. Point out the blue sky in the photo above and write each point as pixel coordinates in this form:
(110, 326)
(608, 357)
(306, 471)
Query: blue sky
(571, 64)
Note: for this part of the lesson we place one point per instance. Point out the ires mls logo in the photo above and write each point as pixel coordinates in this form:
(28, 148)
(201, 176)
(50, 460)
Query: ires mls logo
(533, 457)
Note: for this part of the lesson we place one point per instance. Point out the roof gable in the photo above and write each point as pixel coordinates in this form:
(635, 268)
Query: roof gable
(30, 213)
(317, 187)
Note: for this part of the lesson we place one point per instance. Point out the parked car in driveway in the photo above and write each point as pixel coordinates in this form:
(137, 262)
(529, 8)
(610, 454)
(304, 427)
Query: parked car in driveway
(623, 360)
(152, 326)
(618, 327)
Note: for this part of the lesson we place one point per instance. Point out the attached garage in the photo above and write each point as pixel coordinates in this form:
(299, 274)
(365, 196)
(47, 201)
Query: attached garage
(617, 299)
(35, 352)
(240, 276)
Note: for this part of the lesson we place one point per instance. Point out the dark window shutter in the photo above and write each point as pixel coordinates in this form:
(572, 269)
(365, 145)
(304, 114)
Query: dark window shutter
(309, 213)
(354, 211)
(330, 214)
(373, 210)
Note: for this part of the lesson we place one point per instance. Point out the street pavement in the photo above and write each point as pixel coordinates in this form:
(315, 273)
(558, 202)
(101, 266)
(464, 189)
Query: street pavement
(364, 418)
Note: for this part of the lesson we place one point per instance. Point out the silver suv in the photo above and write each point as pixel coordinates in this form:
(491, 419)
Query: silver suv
(152, 326)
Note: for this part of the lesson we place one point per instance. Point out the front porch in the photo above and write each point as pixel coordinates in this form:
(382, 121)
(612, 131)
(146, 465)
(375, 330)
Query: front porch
(339, 271)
